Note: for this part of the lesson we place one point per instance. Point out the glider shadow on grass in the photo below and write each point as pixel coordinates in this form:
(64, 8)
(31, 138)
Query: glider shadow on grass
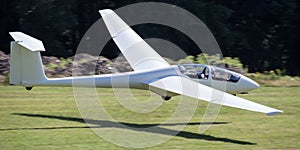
(136, 127)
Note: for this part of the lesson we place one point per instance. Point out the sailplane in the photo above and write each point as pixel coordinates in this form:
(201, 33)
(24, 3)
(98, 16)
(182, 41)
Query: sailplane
(151, 71)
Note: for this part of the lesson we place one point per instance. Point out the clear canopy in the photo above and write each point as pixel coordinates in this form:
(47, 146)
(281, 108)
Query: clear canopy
(224, 75)
(195, 71)
(199, 71)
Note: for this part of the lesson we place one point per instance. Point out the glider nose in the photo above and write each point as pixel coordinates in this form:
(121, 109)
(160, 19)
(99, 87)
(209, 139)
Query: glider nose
(248, 84)
(253, 85)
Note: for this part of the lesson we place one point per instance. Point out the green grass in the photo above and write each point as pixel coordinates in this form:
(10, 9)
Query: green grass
(48, 118)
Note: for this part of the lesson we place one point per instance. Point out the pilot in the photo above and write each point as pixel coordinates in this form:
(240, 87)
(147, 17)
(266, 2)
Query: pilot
(202, 74)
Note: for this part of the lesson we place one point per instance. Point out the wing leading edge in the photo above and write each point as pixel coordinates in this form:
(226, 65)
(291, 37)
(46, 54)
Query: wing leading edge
(137, 52)
(187, 87)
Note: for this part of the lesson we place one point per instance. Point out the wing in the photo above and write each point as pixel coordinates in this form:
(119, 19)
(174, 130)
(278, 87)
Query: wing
(137, 52)
(187, 87)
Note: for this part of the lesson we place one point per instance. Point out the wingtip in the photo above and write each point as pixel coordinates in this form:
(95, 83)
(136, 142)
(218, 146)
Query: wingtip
(105, 12)
(274, 113)
(12, 34)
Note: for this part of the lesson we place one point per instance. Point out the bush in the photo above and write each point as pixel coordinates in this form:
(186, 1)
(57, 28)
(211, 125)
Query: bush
(230, 63)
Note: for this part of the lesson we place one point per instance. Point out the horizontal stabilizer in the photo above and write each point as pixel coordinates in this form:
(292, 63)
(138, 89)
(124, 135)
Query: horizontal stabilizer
(27, 41)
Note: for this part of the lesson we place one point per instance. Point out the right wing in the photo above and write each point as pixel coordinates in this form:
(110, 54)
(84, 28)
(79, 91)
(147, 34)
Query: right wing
(137, 52)
(187, 87)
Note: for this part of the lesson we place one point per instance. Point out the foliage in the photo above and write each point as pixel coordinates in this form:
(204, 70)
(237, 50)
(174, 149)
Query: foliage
(274, 79)
(262, 34)
(65, 61)
(234, 62)
(216, 60)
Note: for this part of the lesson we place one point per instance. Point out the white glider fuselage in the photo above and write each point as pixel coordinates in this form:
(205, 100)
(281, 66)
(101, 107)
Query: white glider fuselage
(135, 79)
(151, 71)
(140, 80)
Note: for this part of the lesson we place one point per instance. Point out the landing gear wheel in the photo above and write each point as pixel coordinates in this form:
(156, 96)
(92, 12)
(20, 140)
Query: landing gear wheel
(28, 88)
(166, 98)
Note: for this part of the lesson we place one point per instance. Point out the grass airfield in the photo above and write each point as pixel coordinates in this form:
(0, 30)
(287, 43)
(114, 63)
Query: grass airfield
(48, 118)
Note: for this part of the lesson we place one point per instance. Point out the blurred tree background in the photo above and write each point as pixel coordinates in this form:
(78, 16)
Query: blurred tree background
(262, 33)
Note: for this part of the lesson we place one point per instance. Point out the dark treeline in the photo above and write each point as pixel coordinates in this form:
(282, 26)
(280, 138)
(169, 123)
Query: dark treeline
(262, 33)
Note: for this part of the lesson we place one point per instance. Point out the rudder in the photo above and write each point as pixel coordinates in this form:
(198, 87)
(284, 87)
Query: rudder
(26, 66)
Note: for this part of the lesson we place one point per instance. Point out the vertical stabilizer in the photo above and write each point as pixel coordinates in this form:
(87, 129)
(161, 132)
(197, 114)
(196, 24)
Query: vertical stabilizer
(26, 66)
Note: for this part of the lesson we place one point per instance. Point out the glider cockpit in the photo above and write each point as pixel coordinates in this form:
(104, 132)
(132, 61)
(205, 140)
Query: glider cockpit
(205, 72)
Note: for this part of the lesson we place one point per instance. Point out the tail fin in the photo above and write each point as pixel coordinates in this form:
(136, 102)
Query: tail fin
(26, 67)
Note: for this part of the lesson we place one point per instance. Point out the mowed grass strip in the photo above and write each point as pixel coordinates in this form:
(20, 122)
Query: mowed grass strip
(48, 118)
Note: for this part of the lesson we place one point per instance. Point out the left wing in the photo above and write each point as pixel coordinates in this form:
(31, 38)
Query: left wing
(187, 87)
(138, 53)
